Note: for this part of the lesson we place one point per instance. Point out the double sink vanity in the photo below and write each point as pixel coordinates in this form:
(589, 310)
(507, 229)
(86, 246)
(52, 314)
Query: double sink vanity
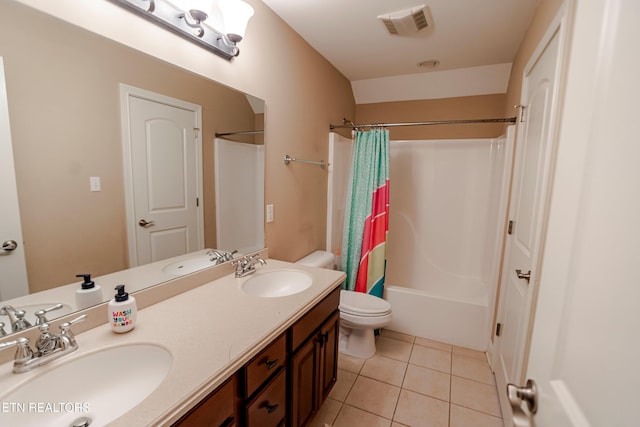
(208, 348)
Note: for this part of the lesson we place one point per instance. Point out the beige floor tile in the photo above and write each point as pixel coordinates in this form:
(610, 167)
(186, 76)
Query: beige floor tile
(433, 344)
(469, 353)
(431, 358)
(397, 335)
(471, 368)
(417, 410)
(475, 395)
(327, 413)
(427, 381)
(464, 417)
(393, 349)
(395, 424)
(383, 369)
(373, 396)
(349, 363)
(343, 385)
(354, 417)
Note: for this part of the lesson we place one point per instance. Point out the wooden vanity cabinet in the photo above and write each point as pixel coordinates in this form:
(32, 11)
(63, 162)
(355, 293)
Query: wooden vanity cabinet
(314, 360)
(285, 383)
(219, 409)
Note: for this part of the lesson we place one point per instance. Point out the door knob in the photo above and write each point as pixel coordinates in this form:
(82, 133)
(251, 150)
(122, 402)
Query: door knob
(145, 223)
(528, 394)
(9, 245)
(526, 276)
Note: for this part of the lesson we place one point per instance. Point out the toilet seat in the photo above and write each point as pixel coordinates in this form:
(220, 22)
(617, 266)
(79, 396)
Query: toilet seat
(364, 305)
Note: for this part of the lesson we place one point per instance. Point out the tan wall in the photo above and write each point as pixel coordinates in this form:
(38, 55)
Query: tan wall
(467, 107)
(58, 124)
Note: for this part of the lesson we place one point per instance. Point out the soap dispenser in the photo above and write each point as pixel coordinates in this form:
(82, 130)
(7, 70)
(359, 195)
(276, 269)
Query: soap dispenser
(89, 293)
(122, 311)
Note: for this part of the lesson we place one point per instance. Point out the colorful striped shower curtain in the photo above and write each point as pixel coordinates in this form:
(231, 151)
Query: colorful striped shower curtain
(366, 219)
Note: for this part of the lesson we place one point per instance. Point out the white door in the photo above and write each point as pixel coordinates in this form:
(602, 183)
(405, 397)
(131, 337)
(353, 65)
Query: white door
(13, 279)
(165, 176)
(584, 352)
(527, 209)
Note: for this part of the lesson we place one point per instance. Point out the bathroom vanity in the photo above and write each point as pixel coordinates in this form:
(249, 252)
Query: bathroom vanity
(236, 358)
(289, 379)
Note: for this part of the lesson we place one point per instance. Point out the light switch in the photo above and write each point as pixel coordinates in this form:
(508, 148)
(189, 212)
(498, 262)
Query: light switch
(94, 183)
(269, 213)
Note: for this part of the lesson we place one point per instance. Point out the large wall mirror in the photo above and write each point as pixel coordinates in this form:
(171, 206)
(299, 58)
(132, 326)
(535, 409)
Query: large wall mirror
(64, 100)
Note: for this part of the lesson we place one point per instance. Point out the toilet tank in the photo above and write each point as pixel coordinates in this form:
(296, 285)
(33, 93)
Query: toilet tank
(321, 259)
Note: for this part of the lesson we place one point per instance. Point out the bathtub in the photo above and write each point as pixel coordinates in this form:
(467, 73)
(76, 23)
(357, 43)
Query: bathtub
(461, 319)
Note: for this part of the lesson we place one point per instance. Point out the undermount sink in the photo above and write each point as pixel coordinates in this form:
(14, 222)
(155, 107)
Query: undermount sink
(99, 386)
(189, 265)
(277, 283)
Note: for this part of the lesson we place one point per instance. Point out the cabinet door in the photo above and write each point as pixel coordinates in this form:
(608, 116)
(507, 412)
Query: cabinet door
(304, 383)
(329, 356)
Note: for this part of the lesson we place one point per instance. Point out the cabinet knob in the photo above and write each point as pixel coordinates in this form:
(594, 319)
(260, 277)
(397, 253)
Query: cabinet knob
(270, 408)
(271, 363)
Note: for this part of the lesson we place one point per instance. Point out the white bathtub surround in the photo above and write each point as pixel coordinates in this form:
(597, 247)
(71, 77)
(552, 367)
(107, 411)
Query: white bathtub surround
(449, 207)
(239, 170)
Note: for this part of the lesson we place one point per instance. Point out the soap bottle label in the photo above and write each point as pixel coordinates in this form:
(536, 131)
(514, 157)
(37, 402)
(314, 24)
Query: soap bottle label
(121, 318)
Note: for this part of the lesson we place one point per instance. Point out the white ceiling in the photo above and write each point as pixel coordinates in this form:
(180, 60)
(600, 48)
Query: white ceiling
(467, 36)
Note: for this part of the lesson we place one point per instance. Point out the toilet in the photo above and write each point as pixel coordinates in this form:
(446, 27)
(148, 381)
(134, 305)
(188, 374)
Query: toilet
(360, 313)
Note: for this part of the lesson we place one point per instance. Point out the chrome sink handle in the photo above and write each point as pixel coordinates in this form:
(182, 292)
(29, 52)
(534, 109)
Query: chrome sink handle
(67, 337)
(40, 314)
(23, 351)
(2, 331)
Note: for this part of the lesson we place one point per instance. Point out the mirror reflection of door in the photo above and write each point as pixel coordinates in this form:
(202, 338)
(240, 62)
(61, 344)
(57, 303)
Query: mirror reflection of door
(163, 176)
(13, 280)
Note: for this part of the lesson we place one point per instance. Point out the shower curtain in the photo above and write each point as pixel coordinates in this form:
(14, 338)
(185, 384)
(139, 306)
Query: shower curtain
(366, 219)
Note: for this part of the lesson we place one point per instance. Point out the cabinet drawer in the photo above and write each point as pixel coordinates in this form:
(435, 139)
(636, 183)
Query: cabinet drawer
(268, 408)
(266, 363)
(217, 409)
(304, 327)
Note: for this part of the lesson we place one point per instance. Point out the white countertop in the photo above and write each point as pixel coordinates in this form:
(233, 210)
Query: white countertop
(211, 331)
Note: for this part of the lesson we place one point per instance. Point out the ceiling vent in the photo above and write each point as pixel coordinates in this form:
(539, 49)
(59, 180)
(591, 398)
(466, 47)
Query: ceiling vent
(407, 22)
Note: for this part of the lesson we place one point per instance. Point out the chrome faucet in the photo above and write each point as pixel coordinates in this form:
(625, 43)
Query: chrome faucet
(16, 318)
(48, 347)
(247, 265)
(218, 257)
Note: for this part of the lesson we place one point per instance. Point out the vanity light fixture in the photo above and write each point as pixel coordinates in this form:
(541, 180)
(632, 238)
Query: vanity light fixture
(217, 25)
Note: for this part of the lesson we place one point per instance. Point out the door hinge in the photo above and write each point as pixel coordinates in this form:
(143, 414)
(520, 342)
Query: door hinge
(498, 329)
(521, 109)
(510, 228)
(196, 131)
(197, 202)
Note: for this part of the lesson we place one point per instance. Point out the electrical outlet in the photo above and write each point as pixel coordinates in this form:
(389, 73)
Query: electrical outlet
(269, 213)
(94, 183)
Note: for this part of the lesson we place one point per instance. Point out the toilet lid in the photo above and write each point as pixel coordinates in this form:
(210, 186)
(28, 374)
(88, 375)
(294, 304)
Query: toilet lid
(362, 304)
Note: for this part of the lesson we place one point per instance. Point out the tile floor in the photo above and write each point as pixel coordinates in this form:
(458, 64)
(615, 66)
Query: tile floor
(412, 381)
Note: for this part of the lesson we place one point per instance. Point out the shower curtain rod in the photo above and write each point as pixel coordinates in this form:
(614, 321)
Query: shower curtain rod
(245, 132)
(436, 122)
